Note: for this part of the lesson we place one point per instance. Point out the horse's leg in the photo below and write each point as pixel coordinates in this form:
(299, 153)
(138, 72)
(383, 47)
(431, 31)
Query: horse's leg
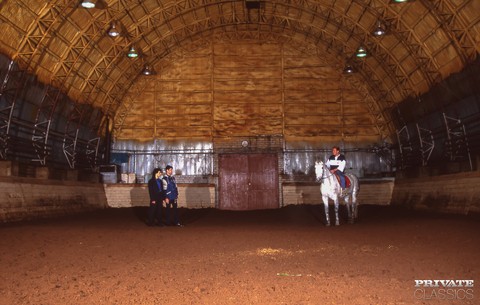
(349, 208)
(327, 216)
(337, 221)
(354, 205)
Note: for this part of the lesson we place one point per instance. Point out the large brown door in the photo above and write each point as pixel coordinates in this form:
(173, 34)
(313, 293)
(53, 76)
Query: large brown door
(248, 181)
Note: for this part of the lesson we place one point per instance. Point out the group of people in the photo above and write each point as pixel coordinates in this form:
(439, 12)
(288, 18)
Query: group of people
(163, 191)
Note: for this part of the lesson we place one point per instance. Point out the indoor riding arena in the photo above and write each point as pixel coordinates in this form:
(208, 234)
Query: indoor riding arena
(194, 152)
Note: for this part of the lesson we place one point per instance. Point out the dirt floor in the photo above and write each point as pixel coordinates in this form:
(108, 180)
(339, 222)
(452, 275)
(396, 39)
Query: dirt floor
(284, 256)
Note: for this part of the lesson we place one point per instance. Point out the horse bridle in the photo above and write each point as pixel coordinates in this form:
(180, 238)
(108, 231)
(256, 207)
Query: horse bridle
(325, 169)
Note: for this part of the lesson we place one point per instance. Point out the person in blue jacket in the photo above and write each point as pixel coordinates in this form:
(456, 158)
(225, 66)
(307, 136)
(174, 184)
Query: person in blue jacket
(171, 195)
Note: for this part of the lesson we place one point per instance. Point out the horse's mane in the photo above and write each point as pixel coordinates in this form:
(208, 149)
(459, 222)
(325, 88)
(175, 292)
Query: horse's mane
(323, 166)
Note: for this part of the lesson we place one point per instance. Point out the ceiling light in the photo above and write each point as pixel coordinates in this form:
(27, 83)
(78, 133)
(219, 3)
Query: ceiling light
(379, 30)
(98, 4)
(132, 53)
(399, 1)
(113, 31)
(148, 70)
(361, 52)
(348, 69)
(88, 3)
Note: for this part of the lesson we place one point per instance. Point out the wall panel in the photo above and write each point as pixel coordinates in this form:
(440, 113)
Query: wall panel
(245, 89)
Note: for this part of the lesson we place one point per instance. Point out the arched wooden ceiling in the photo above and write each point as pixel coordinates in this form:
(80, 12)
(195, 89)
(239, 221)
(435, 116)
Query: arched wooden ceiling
(68, 46)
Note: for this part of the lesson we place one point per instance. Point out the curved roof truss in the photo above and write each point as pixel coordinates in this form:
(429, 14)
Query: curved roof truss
(67, 46)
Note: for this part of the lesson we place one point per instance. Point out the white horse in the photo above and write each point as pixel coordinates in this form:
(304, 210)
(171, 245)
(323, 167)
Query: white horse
(330, 188)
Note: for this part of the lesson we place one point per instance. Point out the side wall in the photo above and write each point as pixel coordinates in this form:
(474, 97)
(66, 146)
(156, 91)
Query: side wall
(195, 196)
(372, 191)
(30, 198)
(33, 198)
(191, 196)
(456, 193)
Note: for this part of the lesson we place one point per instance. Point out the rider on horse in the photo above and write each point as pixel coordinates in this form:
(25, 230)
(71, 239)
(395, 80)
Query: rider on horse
(336, 163)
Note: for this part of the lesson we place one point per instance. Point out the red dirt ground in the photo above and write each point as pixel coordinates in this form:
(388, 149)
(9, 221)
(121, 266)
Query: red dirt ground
(283, 256)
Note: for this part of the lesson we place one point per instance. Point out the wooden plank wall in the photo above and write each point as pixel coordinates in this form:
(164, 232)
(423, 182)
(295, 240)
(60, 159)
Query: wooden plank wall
(455, 193)
(247, 88)
(197, 196)
(24, 198)
(191, 196)
(320, 103)
(372, 192)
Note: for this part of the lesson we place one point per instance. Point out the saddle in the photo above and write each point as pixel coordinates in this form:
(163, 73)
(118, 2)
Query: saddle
(347, 181)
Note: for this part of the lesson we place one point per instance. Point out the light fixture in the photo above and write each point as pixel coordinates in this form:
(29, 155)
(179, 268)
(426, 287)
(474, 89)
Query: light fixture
(361, 52)
(88, 3)
(98, 4)
(113, 31)
(148, 70)
(348, 69)
(132, 53)
(400, 1)
(379, 30)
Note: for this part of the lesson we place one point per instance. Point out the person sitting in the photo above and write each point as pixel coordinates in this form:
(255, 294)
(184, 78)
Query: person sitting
(336, 163)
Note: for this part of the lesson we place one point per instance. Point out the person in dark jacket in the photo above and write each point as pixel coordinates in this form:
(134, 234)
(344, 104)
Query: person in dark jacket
(157, 197)
(171, 194)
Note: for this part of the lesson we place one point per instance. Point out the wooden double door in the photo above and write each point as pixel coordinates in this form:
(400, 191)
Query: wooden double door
(248, 181)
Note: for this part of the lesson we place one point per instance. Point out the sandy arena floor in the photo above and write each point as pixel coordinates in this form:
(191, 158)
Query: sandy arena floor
(284, 256)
